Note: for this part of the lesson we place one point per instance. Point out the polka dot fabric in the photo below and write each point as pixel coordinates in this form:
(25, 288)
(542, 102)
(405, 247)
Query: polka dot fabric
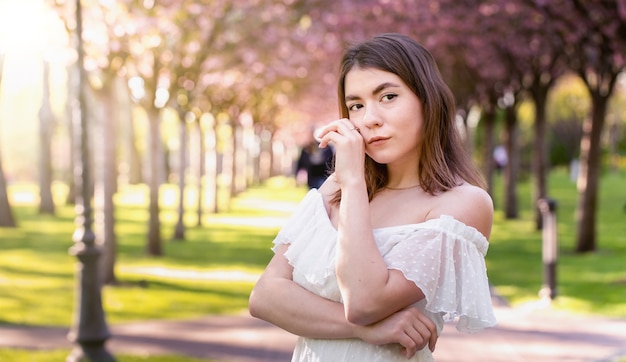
(443, 257)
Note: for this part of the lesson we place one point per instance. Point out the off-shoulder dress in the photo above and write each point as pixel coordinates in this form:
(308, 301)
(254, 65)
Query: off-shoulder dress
(444, 257)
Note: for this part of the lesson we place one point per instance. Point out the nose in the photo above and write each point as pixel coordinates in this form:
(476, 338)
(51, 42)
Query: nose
(372, 117)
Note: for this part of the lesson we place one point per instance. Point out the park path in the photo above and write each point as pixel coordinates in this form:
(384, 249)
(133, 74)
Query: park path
(530, 333)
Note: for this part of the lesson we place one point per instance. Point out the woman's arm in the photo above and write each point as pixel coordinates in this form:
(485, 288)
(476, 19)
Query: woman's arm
(369, 289)
(277, 299)
(280, 301)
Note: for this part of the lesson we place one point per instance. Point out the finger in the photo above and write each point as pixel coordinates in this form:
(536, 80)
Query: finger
(350, 126)
(426, 337)
(432, 341)
(323, 135)
(338, 132)
(419, 335)
(327, 137)
(317, 135)
(408, 345)
(432, 331)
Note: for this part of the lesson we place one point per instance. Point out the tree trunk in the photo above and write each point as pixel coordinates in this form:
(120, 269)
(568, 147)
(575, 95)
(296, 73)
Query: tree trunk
(266, 156)
(589, 175)
(212, 186)
(234, 145)
(46, 123)
(248, 146)
(539, 151)
(489, 120)
(135, 167)
(278, 157)
(72, 110)
(255, 157)
(179, 230)
(6, 213)
(512, 167)
(614, 137)
(156, 163)
(241, 160)
(132, 157)
(201, 170)
(106, 185)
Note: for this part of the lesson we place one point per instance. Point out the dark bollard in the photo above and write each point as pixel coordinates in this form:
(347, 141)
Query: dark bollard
(549, 247)
(89, 330)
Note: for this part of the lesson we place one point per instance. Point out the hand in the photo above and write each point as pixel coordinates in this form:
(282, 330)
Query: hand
(349, 150)
(408, 327)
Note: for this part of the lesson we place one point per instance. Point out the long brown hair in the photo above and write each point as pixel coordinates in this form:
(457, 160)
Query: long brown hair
(444, 163)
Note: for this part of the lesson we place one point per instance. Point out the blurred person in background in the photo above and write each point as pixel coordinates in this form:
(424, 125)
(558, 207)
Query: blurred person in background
(315, 163)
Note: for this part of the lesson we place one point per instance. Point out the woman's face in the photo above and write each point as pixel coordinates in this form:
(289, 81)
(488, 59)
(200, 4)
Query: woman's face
(388, 114)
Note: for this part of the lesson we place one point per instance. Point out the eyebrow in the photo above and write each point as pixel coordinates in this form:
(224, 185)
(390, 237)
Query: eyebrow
(376, 90)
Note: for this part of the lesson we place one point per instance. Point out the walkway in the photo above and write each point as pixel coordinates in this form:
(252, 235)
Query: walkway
(523, 334)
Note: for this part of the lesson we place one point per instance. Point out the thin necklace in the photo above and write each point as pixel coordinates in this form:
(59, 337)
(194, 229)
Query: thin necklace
(401, 188)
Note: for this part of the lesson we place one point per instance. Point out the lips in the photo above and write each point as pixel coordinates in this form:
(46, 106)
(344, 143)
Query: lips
(375, 140)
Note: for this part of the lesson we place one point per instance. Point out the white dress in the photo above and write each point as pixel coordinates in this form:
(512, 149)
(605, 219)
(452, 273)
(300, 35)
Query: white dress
(443, 257)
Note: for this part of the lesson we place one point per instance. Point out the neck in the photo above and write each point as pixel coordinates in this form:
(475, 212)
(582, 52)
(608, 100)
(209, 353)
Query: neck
(400, 188)
(403, 174)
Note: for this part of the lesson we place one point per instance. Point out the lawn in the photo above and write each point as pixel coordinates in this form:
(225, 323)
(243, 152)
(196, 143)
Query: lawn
(15, 355)
(593, 283)
(213, 271)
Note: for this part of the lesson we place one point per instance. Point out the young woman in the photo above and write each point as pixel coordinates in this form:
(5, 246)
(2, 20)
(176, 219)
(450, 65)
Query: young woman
(369, 265)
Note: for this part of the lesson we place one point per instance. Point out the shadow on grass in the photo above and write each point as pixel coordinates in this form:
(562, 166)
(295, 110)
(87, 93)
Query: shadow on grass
(32, 272)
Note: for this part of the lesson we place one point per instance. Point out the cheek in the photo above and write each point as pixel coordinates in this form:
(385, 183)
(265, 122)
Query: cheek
(416, 126)
(418, 134)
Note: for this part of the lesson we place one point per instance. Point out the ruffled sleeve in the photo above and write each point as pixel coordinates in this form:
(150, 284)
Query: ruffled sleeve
(312, 240)
(300, 217)
(445, 259)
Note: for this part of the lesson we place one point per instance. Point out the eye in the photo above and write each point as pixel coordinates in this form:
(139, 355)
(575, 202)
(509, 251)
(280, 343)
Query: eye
(354, 107)
(388, 97)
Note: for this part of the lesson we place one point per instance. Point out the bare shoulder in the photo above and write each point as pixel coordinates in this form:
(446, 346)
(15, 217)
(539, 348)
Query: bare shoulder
(468, 204)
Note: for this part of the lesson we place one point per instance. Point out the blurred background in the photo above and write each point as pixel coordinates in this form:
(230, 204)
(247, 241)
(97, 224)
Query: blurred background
(187, 105)
(238, 85)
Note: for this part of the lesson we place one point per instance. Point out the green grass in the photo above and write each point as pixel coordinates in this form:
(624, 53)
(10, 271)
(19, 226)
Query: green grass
(34, 258)
(592, 283)
(61, 355)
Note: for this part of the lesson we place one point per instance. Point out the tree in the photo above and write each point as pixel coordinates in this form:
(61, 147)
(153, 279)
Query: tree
(536, 54)
(192, 48)
(46, 127)
(106, 176)
(149, 54)
(594, 35)
(71, 108)
(479, 56)
(6, 213)
(105, 54)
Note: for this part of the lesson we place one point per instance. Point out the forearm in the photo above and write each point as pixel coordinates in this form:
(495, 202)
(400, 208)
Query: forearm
(288, 306)
(361, 270)
(293, 308)
(277, 299)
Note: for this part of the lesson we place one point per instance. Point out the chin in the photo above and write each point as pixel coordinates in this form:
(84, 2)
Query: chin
(381, 160)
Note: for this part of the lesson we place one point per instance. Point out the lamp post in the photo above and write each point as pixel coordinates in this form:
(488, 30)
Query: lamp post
(89, 331)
